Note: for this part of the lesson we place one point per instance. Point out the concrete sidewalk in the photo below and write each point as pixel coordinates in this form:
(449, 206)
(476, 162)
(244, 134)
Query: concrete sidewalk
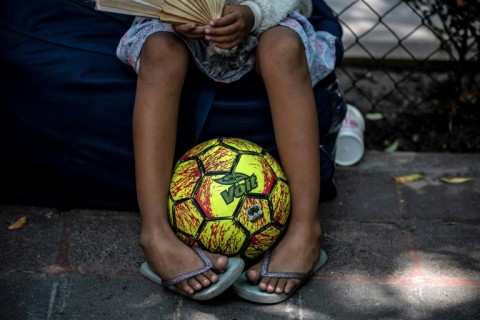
(376, 28)
(397, 251)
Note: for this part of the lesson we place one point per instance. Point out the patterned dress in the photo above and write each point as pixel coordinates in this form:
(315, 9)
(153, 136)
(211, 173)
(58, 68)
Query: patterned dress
(230, 65)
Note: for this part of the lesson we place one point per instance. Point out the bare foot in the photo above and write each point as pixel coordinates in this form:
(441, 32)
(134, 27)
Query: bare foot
(169, 258)
(297, 252)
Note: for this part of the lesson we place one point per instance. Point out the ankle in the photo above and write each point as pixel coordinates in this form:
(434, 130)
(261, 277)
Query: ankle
(150, 234)
(308, 228)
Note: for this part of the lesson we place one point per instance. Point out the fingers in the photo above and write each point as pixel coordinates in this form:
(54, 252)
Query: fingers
(225, 37)
(190, 30)
(231, 29)
(225, 32)
(234, 14)
(228, 19)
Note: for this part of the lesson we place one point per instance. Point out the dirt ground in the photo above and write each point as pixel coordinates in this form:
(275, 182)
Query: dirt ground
(417, 110)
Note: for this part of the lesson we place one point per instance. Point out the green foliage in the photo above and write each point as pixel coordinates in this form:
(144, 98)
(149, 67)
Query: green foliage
(456, 24)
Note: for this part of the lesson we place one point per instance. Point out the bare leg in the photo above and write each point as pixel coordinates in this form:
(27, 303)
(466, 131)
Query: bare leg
(164, 62)
(282, 64)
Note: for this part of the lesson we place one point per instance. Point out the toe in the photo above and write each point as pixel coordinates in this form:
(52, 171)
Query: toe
(272, 285)
(210, 276)
(280, 288)
(186, 287)
(253, 274)
(290, 285)
(263, 285)
(219, 261)
(194, 284)
(203, 280)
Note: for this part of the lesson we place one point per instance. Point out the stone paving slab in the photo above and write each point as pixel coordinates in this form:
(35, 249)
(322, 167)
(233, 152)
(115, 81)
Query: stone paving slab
(382, 204)
(396, 251)
(32, 248)
(95, 243)
(366, 250)
(448, 250)
(432, 200)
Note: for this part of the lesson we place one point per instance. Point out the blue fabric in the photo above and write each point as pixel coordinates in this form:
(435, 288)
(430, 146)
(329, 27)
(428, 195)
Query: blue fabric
(66, 106)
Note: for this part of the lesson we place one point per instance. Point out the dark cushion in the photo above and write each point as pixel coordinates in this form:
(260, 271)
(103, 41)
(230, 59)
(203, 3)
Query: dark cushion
(66, 106)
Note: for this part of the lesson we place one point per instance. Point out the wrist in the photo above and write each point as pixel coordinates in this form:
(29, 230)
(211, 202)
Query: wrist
(256, 11)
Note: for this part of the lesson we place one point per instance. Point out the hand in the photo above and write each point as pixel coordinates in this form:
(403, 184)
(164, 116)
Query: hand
(232, 28)
(190, 30)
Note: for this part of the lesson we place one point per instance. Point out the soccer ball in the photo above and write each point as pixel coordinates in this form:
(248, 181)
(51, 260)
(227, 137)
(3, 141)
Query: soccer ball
(229, 196)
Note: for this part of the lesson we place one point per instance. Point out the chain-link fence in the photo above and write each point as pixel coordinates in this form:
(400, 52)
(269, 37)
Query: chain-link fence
(412, 67)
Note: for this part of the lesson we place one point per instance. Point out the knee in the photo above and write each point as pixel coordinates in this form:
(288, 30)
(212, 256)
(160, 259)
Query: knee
(280, 50)
(163, 49)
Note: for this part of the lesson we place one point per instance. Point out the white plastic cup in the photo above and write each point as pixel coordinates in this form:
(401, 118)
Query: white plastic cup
(350, 146)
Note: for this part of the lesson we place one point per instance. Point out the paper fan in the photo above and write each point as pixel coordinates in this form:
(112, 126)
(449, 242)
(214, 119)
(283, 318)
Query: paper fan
(199, 12)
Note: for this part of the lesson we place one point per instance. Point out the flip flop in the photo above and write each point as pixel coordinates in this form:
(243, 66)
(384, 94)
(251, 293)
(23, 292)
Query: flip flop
(225, 277)
(248, 291)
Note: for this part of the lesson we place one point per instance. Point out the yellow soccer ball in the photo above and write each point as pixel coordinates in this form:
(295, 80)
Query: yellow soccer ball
(229, 196)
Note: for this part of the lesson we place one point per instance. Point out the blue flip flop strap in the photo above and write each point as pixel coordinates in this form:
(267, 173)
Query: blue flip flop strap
(205, 259)
(286, 275)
